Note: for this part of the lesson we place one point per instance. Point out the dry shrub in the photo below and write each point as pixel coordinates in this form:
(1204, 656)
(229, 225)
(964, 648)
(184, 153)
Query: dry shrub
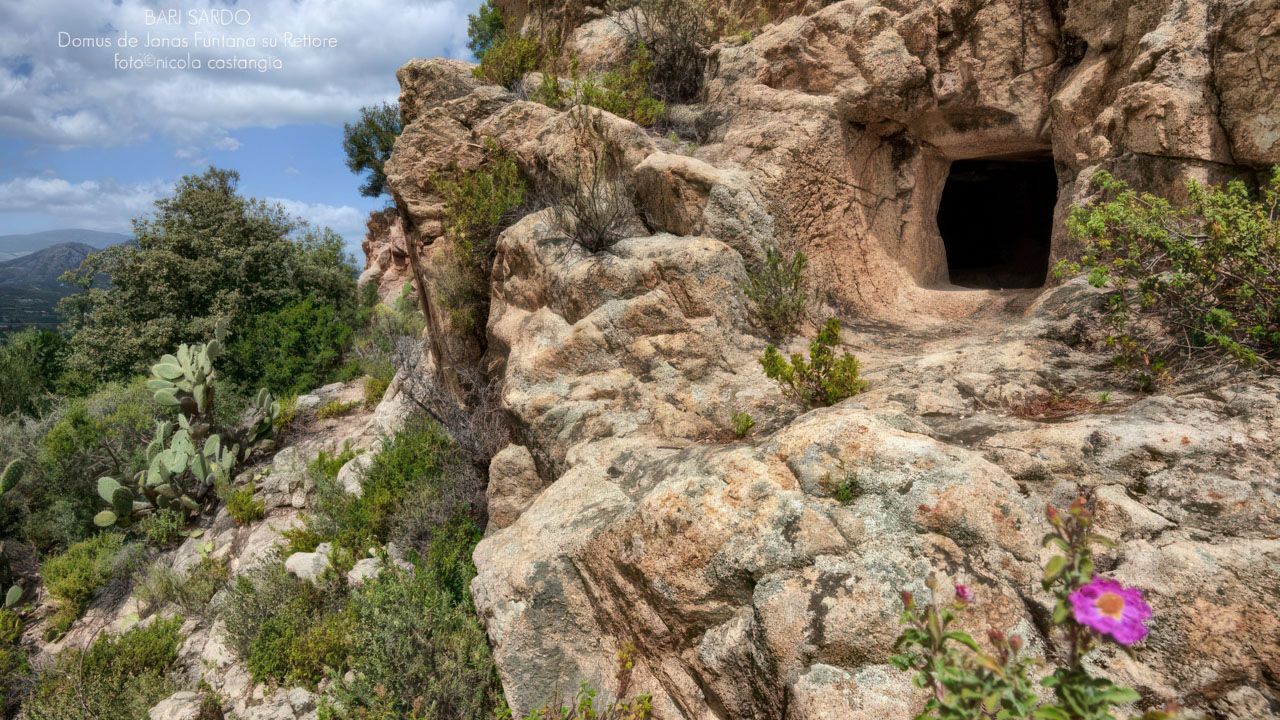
(592, 202)
(676, 34)
(477, 423)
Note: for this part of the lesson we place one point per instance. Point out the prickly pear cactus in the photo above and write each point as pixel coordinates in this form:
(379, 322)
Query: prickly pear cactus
(188, 458)
(12, 474)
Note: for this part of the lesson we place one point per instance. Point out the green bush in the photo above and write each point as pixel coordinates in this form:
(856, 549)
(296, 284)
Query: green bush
(375, 388)
(30, 365)
(416, 652)
(73, 577)
(10, 627)
(286, 629)
(192, 590)
(162, 527)
(291, 350)
(484, 27)
(336, 409)
(778, 292)
(14, 678)
(414, 476)
(742, 424)
(676, 34)
(1200, 278)
(622, 91)
(823, 379)
(368, 144)
(477, 204)
(243, 507)
(509, 58)
(625, 91)
(118, 678)
(102, 434)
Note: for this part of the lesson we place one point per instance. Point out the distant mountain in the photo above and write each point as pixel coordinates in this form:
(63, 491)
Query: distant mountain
(14, 246)
(29, 287)
(45, 266)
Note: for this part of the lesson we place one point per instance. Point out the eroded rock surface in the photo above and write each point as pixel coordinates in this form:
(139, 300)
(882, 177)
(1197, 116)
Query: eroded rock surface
(759, 578)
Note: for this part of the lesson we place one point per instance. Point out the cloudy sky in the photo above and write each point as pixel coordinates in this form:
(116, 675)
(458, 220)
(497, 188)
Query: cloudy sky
(104, 103)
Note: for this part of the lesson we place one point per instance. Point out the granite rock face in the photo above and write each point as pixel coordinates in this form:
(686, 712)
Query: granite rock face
(759, 577)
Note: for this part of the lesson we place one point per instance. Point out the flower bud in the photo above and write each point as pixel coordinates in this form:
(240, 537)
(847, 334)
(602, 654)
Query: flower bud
(1015, 642)
(908, 599)
(963, 593)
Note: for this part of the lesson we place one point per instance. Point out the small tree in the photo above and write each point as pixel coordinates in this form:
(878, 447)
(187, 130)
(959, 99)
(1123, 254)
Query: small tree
(368, 143)
(823, 379)
(778, 291)
(483, 29)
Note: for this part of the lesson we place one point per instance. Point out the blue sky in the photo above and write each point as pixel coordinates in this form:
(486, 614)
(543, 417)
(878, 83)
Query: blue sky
(85, 142)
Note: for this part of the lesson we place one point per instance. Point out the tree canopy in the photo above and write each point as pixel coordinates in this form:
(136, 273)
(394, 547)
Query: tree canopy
(207, 253)
(368, 144)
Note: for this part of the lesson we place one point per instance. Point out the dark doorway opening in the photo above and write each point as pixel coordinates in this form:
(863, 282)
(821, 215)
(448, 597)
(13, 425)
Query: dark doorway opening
(996, 220)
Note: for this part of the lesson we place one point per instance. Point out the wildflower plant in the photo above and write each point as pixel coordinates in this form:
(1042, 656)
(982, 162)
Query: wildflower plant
(970, 682)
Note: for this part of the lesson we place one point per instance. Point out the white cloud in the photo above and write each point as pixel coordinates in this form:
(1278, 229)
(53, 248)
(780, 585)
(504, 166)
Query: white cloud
(108, 205)
(92, 204)
(72, 96)
(342, 219)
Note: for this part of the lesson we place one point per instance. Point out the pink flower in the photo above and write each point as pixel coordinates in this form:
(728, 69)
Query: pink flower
(1109, 608)
(963, 593)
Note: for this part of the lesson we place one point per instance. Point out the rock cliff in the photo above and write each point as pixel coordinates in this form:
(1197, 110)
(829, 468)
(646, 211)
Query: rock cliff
(627, 514)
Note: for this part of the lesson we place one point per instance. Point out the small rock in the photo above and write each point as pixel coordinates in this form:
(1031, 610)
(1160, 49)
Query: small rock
(309, 566)
(364, 570)
(183, 705)
(352, 472)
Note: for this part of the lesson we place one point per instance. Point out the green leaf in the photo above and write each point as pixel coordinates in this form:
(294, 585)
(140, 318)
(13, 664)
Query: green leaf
(106, 518)
(1053, 570)
(165, 371)
(167, 398)
(107, 487)
(13, 597)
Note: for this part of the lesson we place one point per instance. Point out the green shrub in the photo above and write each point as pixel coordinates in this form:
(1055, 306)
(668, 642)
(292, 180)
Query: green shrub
(286, 629)
(14, 678)
(625, 91)
(509, 58)
(823, 379)
(102, 434)
(676, 34)
(742, 424)
(477, 204)
(1200, 278)
(30, 364)
(192, 590)
(484, 27)
(336, 408)
(162, 527)
(402, 669)
(414, 476)
(778, 292)
(243, 507)
(288, 413)
(73, 577)
(118, 678)
(293, 349)
(374, 389)
(10, 627)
